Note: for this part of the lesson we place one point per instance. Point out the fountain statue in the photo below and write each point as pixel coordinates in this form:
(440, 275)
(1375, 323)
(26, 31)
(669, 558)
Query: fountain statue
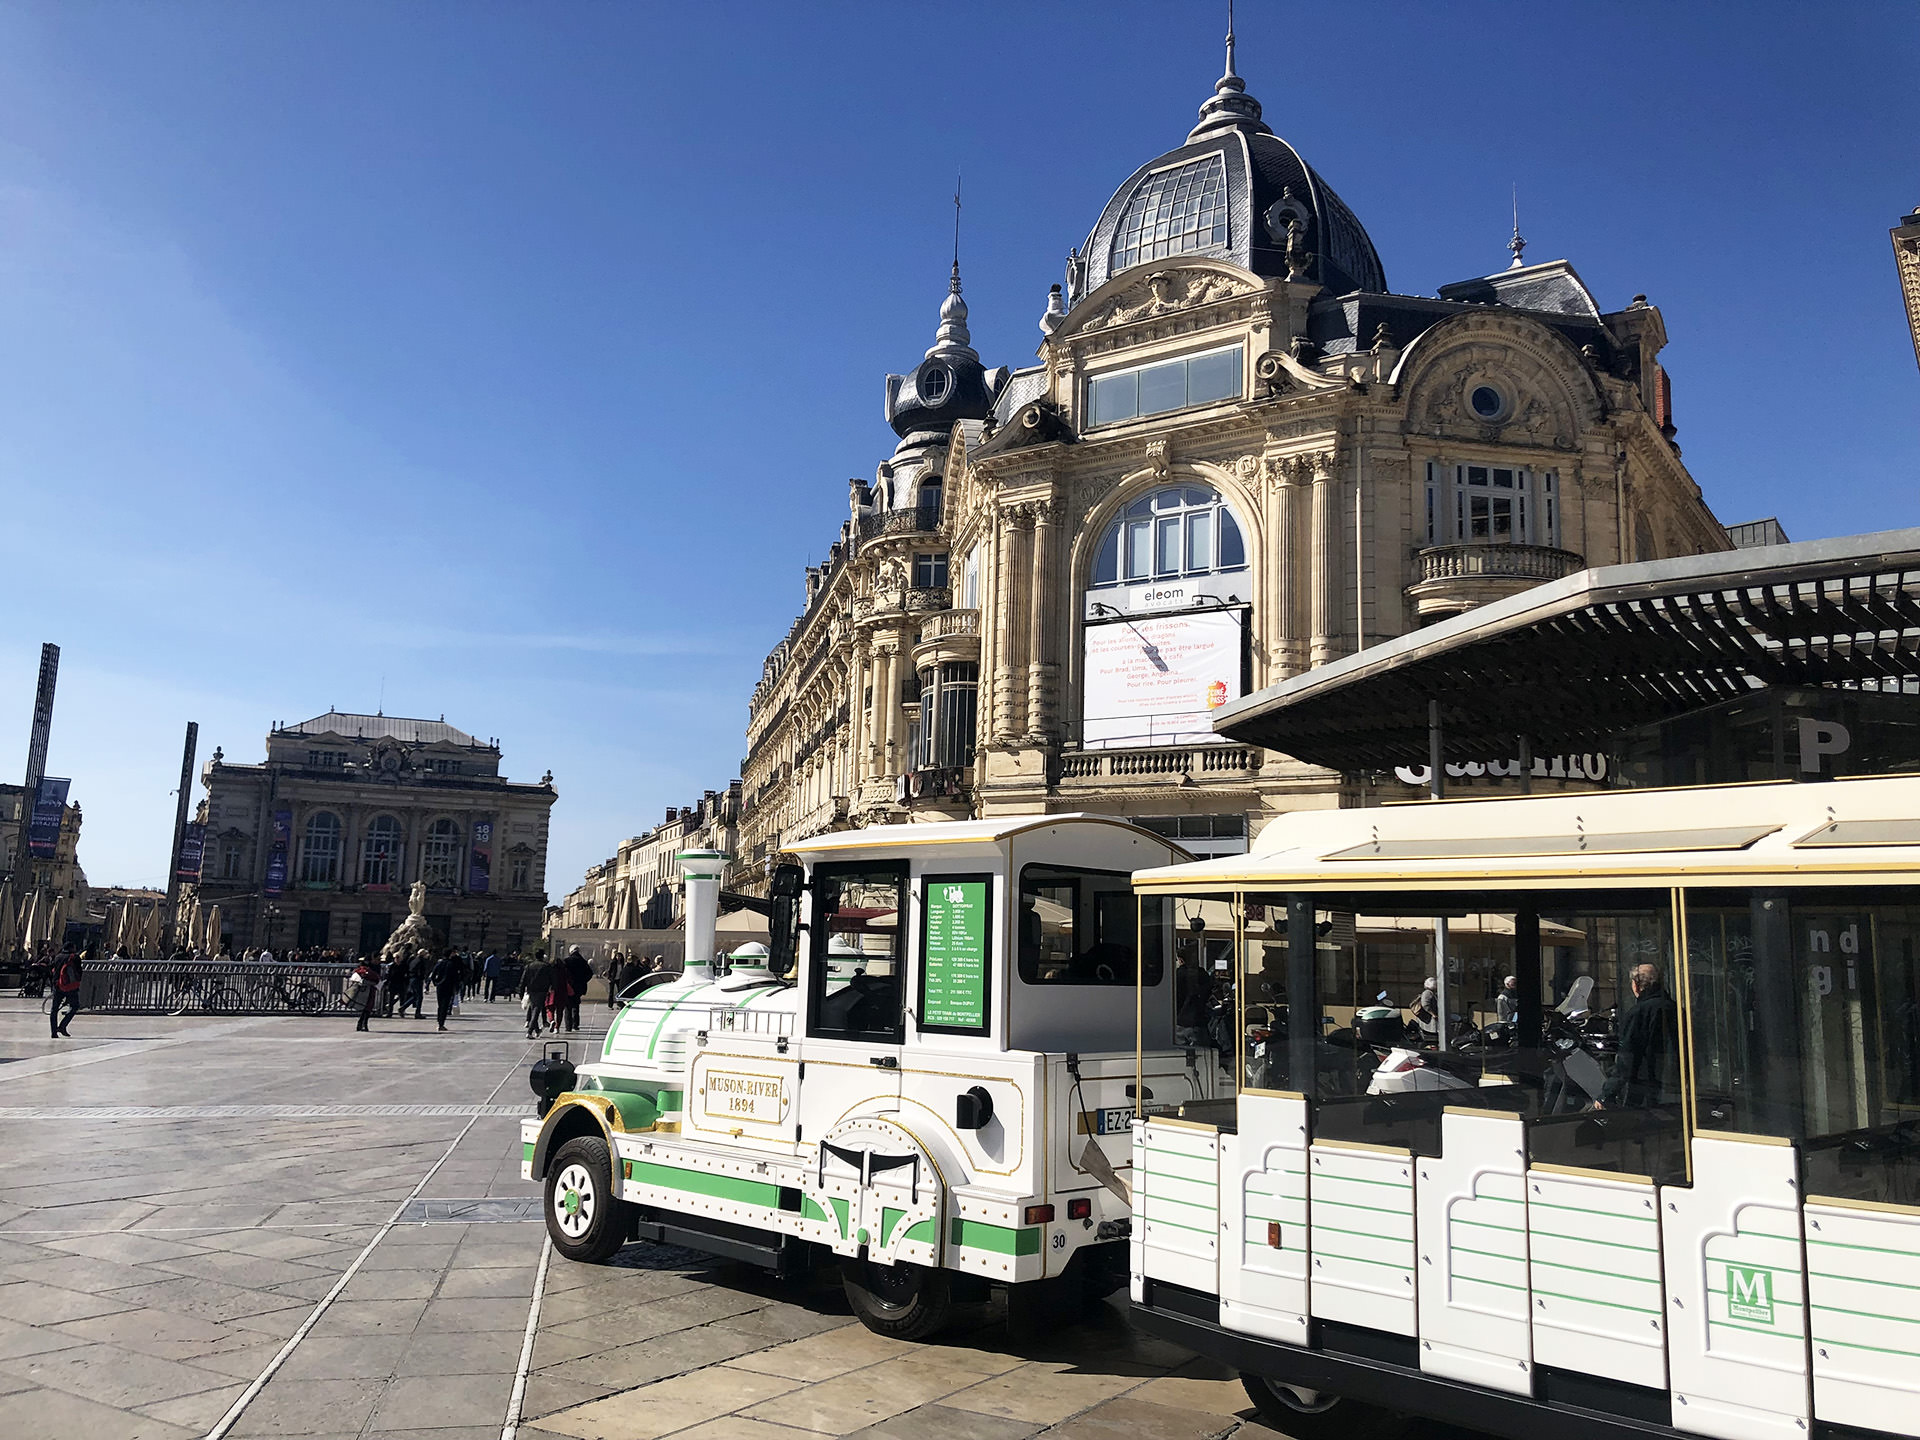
(413, 937)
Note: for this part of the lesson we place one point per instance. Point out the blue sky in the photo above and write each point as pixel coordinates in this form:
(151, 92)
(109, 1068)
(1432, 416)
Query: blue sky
(508, 361)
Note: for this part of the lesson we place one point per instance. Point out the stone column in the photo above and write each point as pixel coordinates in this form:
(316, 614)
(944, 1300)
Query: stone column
(857, 712)
(1040, 590)
(1326, 561)
(1291, 559)
(1006, 712)
(891, 757)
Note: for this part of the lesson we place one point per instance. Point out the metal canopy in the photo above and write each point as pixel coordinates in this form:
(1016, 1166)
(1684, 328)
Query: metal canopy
(1569, 665)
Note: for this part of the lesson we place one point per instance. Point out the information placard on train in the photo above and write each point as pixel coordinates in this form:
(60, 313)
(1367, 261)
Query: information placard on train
(954, 994)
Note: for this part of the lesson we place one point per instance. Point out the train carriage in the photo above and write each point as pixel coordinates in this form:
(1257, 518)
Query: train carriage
(1702, 1219)
(932, 1077)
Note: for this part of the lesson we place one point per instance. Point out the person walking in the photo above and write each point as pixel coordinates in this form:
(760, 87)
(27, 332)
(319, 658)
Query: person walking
(616, 977)
(449, 978)
(490, 976)
(394, 989)
(416, 984)
(366, 975)
(1646, 1067)
(534, 978)
(66, 992)
(579, 975)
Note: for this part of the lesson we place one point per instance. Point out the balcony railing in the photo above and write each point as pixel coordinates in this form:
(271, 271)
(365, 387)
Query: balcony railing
(914, 600)
(1498, 562)
(921, 520)
(1175, 764)
(948, 623)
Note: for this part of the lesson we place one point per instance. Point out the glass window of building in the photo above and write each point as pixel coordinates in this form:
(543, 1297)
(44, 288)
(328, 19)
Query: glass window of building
(380, 851)
(1176, 211)
(1491, 505)
(949, 707)
(518, 873)
(440, 854)
(1166, 386)
(929, 571)
(1183, 530)
(320, 850)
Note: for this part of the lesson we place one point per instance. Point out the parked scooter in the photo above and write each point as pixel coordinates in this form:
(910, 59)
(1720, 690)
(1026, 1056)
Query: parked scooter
(1576, 1046)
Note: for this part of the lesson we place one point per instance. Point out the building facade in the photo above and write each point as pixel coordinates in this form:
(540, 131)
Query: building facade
(1240, 455)
(317, 846)
(638, 887)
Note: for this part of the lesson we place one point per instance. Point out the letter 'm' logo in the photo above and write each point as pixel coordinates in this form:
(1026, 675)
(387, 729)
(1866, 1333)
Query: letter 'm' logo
(1750, 1294)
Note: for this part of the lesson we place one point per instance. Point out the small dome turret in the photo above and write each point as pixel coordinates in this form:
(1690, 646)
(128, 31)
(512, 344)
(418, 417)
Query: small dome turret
(950, 383)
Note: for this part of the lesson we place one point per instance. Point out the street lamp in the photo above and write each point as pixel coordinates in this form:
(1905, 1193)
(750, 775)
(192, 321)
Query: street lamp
(273, 923)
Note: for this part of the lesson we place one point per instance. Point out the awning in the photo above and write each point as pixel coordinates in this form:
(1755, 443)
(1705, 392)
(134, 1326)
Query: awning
(1569, 665)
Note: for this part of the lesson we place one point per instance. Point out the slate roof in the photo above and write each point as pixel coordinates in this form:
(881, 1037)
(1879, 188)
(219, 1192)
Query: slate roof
(380, 727)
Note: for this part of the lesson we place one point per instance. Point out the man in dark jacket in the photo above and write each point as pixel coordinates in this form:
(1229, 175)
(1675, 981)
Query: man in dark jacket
(66, 992)
(579, 974)
(449, 978)
(1646, 1069)
(535, 978)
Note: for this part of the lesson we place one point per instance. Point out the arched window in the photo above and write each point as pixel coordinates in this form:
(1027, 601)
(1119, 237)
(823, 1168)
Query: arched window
(440, 854)
(320, 850)
(1173, 212)
(1183, 530)
(381, 852)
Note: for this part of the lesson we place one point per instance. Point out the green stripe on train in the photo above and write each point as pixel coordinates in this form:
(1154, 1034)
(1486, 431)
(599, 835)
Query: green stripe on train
(1001, 1239)
(702, 1182)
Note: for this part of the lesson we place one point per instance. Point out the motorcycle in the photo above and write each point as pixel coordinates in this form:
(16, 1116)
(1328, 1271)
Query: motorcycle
(1576, 1046)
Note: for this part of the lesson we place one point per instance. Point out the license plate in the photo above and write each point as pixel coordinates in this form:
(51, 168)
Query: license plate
(1116, 1120)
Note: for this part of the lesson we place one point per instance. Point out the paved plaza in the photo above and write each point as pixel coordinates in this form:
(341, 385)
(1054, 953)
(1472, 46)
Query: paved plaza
(275, 1226)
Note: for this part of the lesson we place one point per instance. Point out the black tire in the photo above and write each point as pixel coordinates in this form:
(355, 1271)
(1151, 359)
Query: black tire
(223, 1000)
(584, 1218)
(1326, 1417)
(308, 1000)
(901, 1301)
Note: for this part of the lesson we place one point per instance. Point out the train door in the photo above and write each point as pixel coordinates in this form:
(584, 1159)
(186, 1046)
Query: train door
(851, 1055)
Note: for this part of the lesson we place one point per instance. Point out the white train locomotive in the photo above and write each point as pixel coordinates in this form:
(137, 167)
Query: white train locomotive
(932, 1076)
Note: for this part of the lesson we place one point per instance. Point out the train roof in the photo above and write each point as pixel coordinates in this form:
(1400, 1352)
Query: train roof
(1773, 833)
(959, 832)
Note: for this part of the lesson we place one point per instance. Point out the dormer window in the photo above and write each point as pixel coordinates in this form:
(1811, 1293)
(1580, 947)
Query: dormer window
(1176, 211)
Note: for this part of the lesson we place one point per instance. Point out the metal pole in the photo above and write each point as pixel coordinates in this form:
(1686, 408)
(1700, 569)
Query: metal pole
(1437, 790)
(36, 767)
(179, 834)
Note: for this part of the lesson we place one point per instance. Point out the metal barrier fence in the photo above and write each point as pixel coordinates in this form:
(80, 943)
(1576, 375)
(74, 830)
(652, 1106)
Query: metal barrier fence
(214, 987)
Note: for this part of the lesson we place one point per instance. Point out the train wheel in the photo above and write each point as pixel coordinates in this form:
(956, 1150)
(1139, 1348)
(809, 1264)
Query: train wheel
(1314, 1415)
(906, 1302)
(584, 1219)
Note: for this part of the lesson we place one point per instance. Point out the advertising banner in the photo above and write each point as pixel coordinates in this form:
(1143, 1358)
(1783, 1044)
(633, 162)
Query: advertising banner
(1158, 680)
(480, 862)
(277, 856)
(953, 984)
(49, 804)
(193, 846)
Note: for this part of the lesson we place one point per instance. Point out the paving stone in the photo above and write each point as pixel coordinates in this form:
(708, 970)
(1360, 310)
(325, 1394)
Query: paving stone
(860, 1398)
(201, 1299)
(547, 1393)
(668, 1406)
(112, 1376)
(53, 1413)
(454, 1315)
(1044, 1393)
(1214, 1395)
(655, 1359)
(1130, 1419)
(461, 1352)
(392, 1285)
(371, 1317)
(443, 1400)
(938, 1422)
(342, 1357)
(199, 1412)
(818, 1357)
(495, 1283)
(32, 1303)
(17, 1340)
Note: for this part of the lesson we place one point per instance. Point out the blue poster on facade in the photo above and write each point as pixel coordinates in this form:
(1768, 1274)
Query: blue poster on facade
(49, 804)
(277, 856)
(480, 862)
(193, 846)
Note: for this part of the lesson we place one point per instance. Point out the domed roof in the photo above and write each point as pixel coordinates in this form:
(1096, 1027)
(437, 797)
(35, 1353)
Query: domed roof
(1229, 193)
(950, 383)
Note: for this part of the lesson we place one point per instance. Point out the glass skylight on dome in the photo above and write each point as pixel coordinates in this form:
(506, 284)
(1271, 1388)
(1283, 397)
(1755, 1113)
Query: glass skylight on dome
(1174, 212)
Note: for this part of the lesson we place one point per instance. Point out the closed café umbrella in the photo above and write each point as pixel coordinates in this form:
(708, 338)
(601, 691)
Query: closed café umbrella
(30, 924)
(8, 935)
(57, 921)
(212, 947)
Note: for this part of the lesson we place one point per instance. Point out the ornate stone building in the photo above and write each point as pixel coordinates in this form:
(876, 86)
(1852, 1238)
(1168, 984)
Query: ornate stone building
(638, 887)
(1240, 454)
(319, 845)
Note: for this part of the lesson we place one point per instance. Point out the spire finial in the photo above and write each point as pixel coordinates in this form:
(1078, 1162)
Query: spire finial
(1517, 244)
(955, 284)
(1229, 107)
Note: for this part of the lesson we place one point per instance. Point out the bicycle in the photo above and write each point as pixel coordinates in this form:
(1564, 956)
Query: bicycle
(204, 994)
(284, 993)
